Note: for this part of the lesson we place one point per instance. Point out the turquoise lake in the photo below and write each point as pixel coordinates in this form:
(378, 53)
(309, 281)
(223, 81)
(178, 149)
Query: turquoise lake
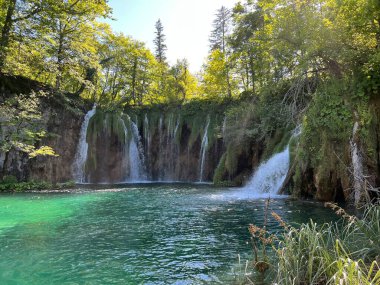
(134, 234)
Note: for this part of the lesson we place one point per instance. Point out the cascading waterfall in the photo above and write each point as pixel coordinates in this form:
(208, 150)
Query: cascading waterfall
(136, 155)
(116, 152)
(204, 146)
(133, 154)
(126, 161)
(176, 128)
(173, 149)
(147, 136)
(160, 157)
(224, 126)
(270, 175)
(169, 169)
(357, 165)
(82, 149)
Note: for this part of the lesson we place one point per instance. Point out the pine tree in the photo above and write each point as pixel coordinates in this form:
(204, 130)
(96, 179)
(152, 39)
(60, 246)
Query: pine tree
(221, 24)
(159, 42)
(218, 42)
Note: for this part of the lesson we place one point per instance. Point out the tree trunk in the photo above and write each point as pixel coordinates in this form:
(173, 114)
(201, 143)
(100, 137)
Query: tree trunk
(377, 28)
(5, 32)
(252, 66)
(134, 75)
(229, 93)
(58, 79)
(90, 76)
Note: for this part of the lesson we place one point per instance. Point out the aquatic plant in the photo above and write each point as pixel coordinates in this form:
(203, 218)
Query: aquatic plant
(344, 252)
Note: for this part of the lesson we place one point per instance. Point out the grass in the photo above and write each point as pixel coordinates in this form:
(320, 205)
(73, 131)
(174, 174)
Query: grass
(346, 252)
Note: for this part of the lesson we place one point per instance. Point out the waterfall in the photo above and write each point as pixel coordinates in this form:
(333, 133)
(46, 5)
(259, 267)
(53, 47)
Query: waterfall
(136, 155)
(269, 176)
(147, 143)
(133, 154)
(357, 165)
(176, 128)
(146, 134)
(204, 146)
(224, 127)
(80, 159)
(161, 149)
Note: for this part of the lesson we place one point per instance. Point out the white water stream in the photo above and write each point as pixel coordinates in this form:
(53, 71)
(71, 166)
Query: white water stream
(78, 169)
(269, 176)
(204, 146)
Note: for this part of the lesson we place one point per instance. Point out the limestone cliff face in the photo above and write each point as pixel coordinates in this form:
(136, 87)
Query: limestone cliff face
(63, 127)
(62, 115)
(150, 146)
(327, 172)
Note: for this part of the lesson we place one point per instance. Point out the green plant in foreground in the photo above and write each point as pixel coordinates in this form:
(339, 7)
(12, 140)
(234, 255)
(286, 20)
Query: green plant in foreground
(355, 272)
(304, 255)
(342, 253)
(260, 239)
(331, 253)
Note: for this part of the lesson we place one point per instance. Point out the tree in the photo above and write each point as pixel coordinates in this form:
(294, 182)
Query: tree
(15, 11)
(245, 43)
(21, 126)
(125, 72)
(183, 84)
(71, 35)
(159, 41)
(53, 41)
(221, 28)
(218, 41)
(214, 83)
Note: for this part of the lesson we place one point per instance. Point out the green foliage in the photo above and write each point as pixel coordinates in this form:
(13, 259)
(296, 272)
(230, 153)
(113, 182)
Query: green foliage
(328, 122)
(305, 255)
(194, 114)
(22, 125)
(14, 186)
(9, 179)
(331, 253)
(220, 170)
(11, 185)
(341, 252)
(217, 81)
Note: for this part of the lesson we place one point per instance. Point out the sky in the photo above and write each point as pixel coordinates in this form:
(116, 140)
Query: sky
(187, 25)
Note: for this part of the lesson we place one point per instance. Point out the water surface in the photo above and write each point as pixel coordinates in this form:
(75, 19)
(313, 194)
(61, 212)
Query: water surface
(149, 234)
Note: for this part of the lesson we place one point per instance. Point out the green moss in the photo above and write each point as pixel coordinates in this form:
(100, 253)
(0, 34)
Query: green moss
(232, 159)
(220, 170)
(293, 148)
(297, 181)
(194, 115)
(277, 143)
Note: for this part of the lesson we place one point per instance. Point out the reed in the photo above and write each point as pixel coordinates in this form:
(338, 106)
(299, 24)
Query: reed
(346, 252)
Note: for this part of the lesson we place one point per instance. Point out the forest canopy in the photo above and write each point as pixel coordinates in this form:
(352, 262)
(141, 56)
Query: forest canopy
(254, 46)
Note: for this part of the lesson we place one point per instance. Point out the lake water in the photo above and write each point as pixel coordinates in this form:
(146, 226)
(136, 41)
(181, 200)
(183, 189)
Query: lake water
(134, 234)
